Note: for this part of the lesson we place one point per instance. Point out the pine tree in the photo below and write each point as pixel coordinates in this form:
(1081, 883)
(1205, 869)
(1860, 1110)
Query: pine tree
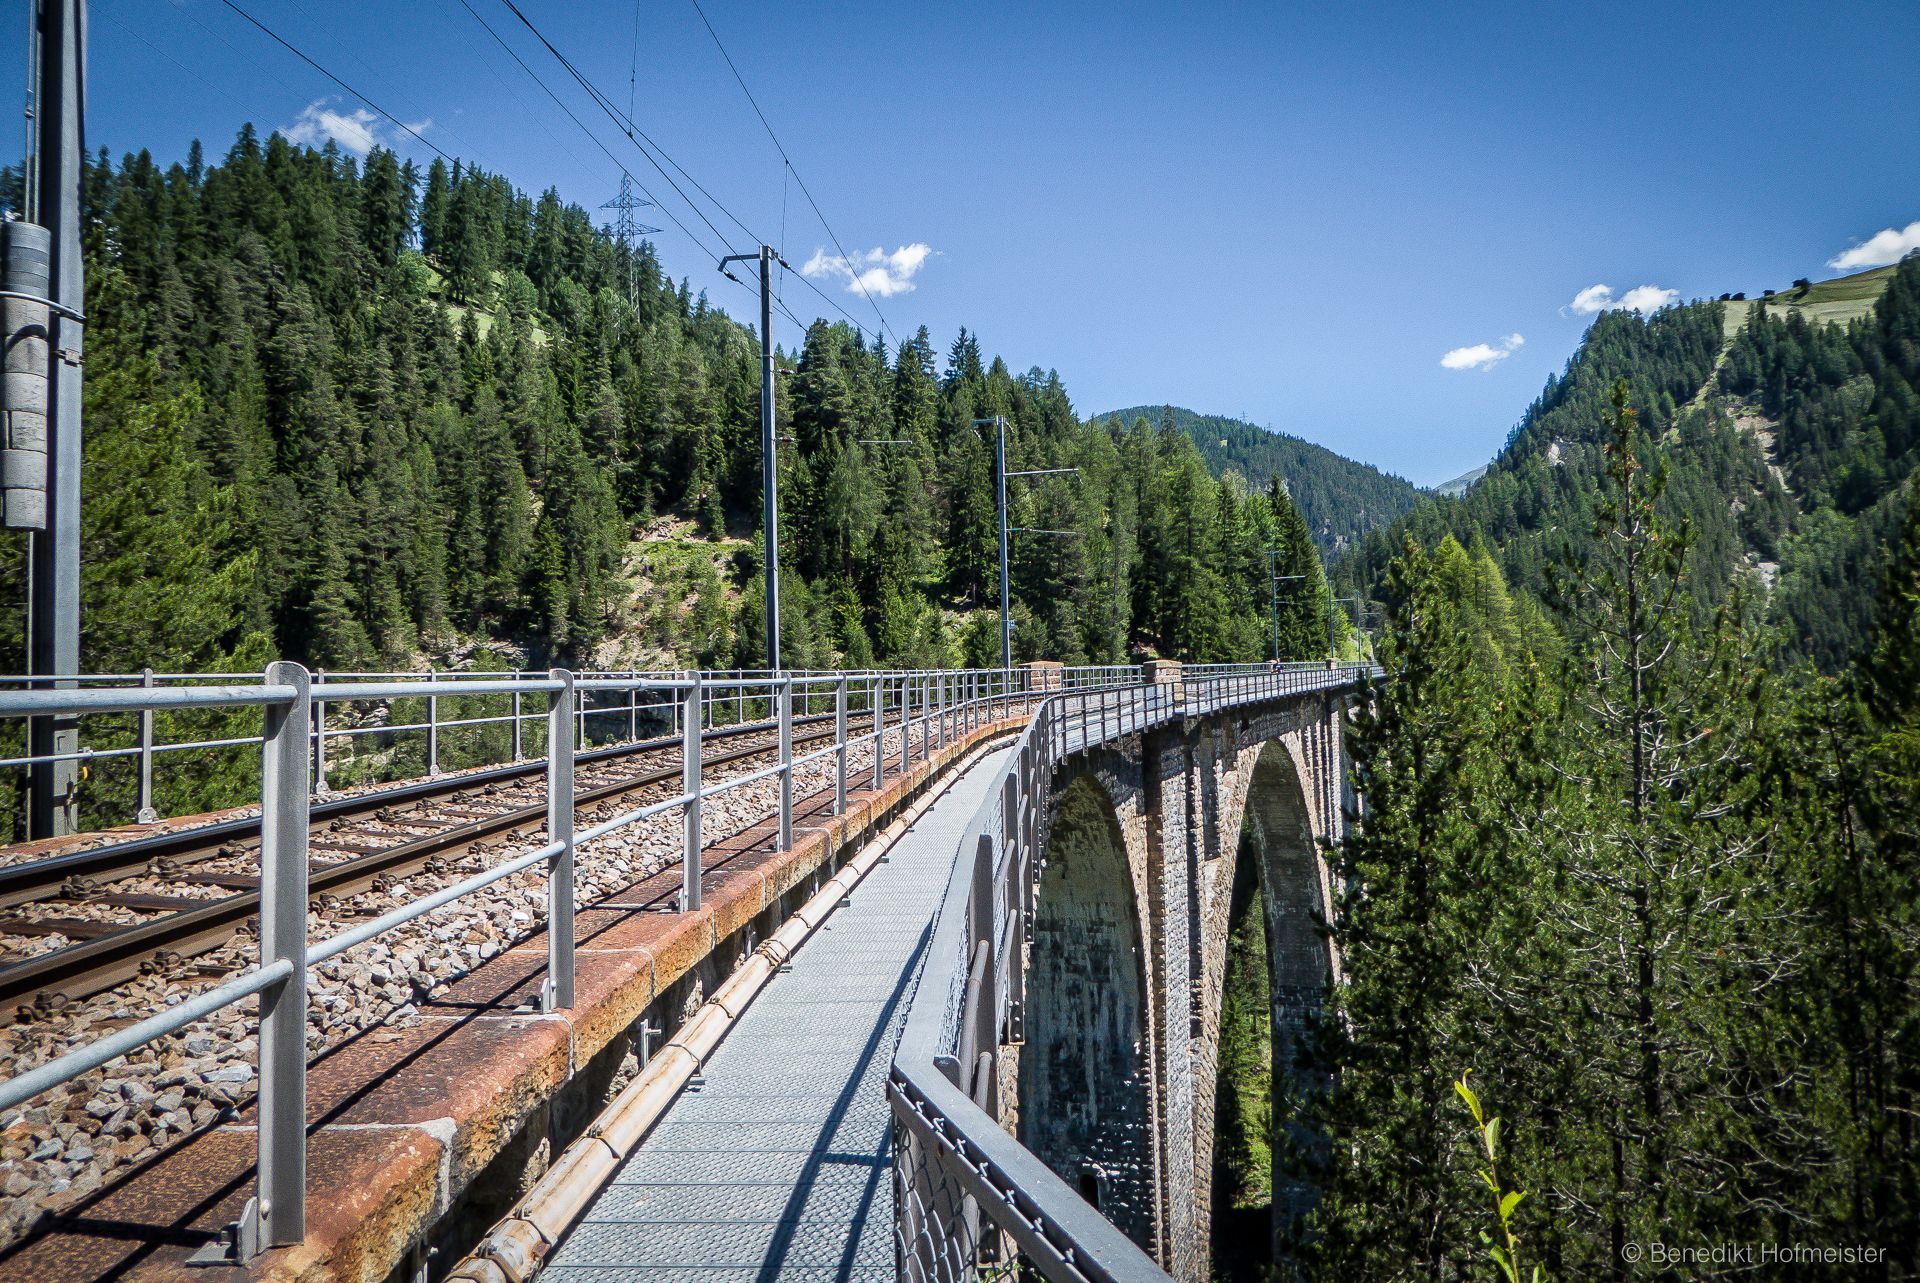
(1662, 928)
(1422, 878)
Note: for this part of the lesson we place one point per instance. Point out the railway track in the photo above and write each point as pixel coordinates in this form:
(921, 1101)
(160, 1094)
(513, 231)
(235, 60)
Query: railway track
(359, 842)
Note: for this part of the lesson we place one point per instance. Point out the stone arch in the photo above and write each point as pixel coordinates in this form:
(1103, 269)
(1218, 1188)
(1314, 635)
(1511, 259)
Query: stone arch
(1284, 963)
(1085, 1088)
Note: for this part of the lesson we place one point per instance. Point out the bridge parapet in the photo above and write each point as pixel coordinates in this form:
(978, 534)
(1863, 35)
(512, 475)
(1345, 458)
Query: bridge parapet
(969, 1196)
(1045, 675)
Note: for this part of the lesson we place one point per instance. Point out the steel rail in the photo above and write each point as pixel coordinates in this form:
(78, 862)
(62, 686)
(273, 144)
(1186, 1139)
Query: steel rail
(290, 740)
(92, 966)
(112, 861)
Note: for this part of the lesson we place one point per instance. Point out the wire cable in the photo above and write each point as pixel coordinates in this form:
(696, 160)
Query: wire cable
(647, 146)
(280, 40)
(561, 104)
(396, 93)
(788, 162)
(613, 114)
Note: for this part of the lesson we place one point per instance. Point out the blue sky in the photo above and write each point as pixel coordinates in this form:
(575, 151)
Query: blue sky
(1294, 213)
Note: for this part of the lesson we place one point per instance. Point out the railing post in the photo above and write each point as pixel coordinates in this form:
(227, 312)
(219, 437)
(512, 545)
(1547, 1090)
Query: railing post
(320, 786)
(840, 745)
(879, 734)
(786, 764)
(518, 751)
(906, 725)
(558, 990)
(143, 811)
(690, 842)
(433, 725)
(282, 1136)
(633, 712)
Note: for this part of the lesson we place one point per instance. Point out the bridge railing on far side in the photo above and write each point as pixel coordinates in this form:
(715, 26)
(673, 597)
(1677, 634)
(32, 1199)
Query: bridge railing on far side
(369, 729)
(969, 1199)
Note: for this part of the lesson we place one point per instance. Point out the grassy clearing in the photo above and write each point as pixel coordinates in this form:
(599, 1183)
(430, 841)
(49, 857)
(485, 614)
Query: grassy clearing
(483, 317)
(1834, 302)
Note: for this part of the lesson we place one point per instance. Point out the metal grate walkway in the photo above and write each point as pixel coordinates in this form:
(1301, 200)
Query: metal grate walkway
(775, 1165)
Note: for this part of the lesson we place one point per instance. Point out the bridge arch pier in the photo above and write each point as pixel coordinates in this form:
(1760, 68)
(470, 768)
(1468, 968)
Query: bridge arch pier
(1085, 1075)
(1151, 828)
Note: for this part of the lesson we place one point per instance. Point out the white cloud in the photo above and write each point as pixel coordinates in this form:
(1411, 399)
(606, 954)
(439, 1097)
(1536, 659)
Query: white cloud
(1643, 299)
(1888, 245)
(878, 272)
(1594, 298)
(1482, 356)
(358, 131)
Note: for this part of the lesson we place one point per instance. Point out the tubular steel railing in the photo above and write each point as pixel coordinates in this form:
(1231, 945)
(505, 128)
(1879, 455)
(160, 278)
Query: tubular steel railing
(933, 706)
(970, 1201)
(613, 697)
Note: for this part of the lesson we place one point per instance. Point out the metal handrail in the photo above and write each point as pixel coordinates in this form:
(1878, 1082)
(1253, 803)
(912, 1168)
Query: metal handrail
(940, 705)
(966, 1193)
(733, 686)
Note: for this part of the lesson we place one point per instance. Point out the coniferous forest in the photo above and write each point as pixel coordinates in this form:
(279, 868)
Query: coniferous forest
(352, 413)
(1643, 813)
(1642, 780)
(366, 417)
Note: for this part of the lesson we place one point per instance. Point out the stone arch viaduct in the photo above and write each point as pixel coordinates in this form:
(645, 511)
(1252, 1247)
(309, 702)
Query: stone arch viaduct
(1113, 1081)
(1101, 890)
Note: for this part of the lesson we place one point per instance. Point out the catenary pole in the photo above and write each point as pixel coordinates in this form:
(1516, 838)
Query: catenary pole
(1000, 489)
(54, 597)
(769, 460)
(1000, 475)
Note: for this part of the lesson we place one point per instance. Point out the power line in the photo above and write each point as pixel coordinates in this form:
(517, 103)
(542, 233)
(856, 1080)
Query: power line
(701, 245)
(397, 93)
(527, 109)
(633, 66)
(788, 162)
(628, 128)
(647, 145)
(278, 39)
(627, 175)
(561, 104)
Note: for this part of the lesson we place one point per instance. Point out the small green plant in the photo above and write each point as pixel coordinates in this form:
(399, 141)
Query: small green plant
(1506, 1251)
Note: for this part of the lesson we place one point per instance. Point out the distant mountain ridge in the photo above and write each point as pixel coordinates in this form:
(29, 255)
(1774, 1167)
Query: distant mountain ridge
(1341, 498)
(1839, 301)
(1462, 483)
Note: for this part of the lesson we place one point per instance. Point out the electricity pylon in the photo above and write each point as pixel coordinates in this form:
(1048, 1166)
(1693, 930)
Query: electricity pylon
(628, 230)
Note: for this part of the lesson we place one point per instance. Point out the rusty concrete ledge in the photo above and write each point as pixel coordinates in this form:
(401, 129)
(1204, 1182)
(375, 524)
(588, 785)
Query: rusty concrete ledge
(409, 1124)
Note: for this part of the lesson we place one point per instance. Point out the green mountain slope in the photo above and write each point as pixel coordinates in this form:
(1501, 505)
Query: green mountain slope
(1788, 434)
(349, 413)
(1341, 499)
(1838, 301)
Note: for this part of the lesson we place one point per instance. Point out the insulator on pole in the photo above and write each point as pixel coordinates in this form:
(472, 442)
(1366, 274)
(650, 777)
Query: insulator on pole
(25, 269)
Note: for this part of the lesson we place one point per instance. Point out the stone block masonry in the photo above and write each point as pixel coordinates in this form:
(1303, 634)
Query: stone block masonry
(1135, 894)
